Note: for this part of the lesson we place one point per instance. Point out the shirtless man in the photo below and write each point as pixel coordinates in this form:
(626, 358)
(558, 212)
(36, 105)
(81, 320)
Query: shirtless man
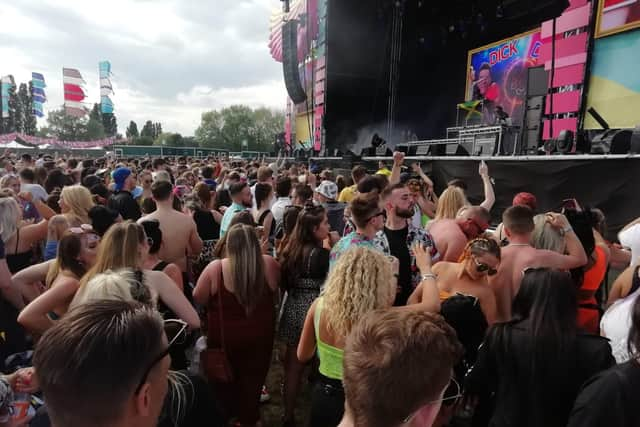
(452, 235)
(520, 255)
(179, 232)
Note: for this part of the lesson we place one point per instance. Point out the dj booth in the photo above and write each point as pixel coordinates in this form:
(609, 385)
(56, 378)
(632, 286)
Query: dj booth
(473, 140)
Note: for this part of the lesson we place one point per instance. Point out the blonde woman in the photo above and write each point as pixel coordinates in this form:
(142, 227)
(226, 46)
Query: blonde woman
(241, 286)
(77, 253)
(449, 203)
(125, 245)
(75, 203)
(18, 236)
(361, 281)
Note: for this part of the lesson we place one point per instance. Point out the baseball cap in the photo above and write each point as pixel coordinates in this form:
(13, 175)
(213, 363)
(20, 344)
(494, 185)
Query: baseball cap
(119, 177)
(328, 189)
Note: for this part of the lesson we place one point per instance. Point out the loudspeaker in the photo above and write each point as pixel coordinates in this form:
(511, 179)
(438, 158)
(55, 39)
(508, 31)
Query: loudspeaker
(532, 129)
(290, 62)
(613, 141)
(564, 143)
(537, 81)
(635, 141)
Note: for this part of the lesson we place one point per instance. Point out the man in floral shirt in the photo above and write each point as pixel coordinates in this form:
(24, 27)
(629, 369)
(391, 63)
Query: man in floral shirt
(368, 218)
(399, 235)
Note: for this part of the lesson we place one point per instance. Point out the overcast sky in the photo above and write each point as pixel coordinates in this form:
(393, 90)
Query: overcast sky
(171, 59)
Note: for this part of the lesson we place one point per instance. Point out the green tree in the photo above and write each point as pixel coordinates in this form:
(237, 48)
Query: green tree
(157, 129)
(132, 130)
(95, 129)
(168, 139)
(65, 127)
(230, 127)
(110, 124)
(143, 140)
(96, 114)
(30, 121)
(148, 130)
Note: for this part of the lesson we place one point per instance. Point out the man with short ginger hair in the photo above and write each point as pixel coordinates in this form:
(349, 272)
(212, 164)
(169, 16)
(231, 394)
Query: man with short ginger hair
(397, 366)
(519, 255)
(451, 235)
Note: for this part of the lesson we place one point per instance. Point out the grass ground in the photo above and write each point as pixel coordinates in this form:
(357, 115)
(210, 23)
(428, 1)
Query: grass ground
(273, 410)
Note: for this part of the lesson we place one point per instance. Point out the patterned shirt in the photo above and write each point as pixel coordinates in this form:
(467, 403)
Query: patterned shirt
(415, 235)
(228, 216)
(349, 241)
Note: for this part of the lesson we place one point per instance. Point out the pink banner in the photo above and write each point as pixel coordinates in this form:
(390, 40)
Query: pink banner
(36, 140)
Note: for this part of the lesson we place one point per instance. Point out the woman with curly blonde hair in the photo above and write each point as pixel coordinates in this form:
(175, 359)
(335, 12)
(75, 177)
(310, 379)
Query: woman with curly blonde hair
(361, 281)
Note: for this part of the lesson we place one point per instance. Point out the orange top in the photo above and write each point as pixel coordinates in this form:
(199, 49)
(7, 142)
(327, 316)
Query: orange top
(444, 295)
(593, 278)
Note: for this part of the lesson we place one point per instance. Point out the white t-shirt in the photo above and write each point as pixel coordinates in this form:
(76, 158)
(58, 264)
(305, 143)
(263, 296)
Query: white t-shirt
(615, 325)
(36, 191)
(630, 238)
(277, 209)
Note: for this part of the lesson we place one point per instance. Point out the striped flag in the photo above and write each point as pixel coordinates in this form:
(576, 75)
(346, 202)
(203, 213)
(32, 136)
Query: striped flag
(38, 95)
(74, 92)
(106, 88)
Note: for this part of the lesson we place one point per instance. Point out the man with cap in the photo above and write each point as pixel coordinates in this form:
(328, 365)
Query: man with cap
(326, 194)
(122, 200)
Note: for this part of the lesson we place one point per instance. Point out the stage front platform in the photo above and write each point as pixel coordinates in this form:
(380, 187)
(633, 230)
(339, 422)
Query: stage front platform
(607, 182)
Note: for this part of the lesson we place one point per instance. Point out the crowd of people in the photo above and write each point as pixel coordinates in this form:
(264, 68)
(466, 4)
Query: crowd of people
(143, 292)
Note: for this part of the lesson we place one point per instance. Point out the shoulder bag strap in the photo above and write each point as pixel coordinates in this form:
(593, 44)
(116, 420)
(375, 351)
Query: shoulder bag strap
(221, 318)
(309, 261)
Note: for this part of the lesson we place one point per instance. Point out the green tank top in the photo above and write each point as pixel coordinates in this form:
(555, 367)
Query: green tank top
(330, 357)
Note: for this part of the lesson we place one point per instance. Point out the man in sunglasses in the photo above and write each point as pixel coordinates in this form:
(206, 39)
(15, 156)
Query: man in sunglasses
(397, 367)
(368, 217)
(399, 236)
(519, 255)
(451, 235)
(120, 376)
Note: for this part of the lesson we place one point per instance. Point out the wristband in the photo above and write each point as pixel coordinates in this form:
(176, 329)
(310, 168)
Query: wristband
(567, 229)
(428, 276)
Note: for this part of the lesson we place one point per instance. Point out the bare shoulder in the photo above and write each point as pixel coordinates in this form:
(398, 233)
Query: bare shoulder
(269, 261)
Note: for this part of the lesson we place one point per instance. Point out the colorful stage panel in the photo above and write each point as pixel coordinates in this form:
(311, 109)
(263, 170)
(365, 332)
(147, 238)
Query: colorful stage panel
(615, 16)
(497, 73)
(614, 88)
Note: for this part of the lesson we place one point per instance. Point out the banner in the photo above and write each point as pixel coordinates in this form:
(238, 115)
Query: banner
(497, 74)
(73, 92)
(614, 87)
(6, 83)
(616, 16)
(106, 88)
(37, 94)
(36, 140)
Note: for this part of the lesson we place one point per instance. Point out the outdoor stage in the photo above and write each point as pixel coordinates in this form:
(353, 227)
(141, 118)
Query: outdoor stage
(607, 182)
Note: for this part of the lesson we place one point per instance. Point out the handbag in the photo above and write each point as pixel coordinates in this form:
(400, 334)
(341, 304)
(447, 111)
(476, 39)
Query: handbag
(215, 361)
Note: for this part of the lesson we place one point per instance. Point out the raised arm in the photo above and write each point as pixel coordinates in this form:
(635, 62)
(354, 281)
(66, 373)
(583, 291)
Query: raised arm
(34, 316)
(575, 257)
(398, 160)
(489, 195)
(24, 279)
(430, 295)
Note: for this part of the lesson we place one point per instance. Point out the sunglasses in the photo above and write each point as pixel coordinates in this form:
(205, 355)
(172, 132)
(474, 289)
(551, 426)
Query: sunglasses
(176, 331)
(452, 394)
(482, 267)
(381, 213)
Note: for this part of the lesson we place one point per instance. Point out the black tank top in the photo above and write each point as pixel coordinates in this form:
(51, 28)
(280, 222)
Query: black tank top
(19, 261)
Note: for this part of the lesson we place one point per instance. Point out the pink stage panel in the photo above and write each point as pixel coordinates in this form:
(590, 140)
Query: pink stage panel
(321, 62)
(573, 74)
(576, 4)
(579, 58)
(566, 102)
(565, 47)
(560, 125)
(570, 20)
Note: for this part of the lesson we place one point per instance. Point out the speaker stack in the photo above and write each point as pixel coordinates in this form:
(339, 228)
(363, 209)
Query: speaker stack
(290, 62)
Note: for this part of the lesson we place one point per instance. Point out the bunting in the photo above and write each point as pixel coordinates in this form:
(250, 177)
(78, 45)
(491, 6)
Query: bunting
(73, 92)
(6, 83)
(36, 140)
(106, 89)
(37, 93)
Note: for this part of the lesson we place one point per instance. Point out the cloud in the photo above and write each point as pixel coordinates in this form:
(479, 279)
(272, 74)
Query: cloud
(171, 59)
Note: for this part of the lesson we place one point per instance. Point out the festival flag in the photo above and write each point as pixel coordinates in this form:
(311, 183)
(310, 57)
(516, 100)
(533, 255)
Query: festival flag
(38, 96)
(73, 92)
(6, 83)
(106, 88)
(471, 107)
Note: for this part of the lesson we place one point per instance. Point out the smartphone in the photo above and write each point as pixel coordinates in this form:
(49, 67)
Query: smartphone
(570, 204)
